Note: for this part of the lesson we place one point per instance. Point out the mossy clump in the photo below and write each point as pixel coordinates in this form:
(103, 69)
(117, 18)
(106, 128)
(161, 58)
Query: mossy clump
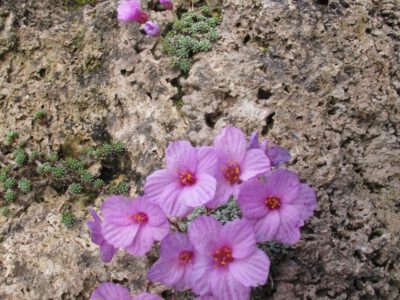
(193, 32)
(76, 4)
(68, 219)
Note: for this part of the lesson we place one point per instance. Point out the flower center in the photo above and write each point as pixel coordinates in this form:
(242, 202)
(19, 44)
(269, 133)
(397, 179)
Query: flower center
(185, 257)
(223, 256)
(187, 178)
(273, 202)
(232, 172)
(139, 218)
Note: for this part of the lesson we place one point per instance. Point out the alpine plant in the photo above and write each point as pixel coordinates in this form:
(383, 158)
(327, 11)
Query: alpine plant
(214, 261)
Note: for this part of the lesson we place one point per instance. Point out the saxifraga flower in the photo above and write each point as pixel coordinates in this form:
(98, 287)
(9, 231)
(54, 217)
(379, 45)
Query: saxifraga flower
(187, 182)
(133, 224)
(131, 11)
(236, 164)
(277, 205)
(174, 267)
(229, 263)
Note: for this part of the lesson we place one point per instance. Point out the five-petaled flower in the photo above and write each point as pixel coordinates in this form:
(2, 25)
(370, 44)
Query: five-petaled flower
(236, 164)
(131, 11)
(229, 263)
(133, 224)
(107, 251)
(187, 182)
(277, 205)
(174, 267)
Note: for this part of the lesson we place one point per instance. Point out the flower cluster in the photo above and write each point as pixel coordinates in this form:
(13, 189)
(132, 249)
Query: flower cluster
(131, 11)
(213, 260)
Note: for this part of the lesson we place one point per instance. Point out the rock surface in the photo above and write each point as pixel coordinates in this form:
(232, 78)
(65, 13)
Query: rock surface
(321, 78)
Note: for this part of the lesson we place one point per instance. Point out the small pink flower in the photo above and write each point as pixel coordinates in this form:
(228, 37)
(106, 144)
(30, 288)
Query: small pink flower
(107, 251)
(167, 4)
(133, 224)
(277, 206)
(236, 164)
(229, 263)
(174, 267)
(111, 291)
(131, 11)
(152, 29)
(187, 182)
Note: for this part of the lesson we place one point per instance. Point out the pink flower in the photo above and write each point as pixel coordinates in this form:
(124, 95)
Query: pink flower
(174, 267)
(278, 206)
(152, 29)
(107, 251)
(167, 4)
(208, 297)
(133, 224)
(236, 164)
(277, 155)
(187, 182)
(229, 263)
(131, 11)
(111, 291)
(147, 296)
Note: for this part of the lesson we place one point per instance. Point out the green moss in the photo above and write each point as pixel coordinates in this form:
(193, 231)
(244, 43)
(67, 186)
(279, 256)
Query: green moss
(75, 188)
(68, 219)
(24, 185)
(20, 156)
(9, 195)
(194, 32)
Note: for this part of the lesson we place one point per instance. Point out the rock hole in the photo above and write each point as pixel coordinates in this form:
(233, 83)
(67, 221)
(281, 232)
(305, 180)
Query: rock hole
(123, 72)
(263, 94)
(269, 124)
(42, 72)
(246, 39)
(322, 2)
(212, 118)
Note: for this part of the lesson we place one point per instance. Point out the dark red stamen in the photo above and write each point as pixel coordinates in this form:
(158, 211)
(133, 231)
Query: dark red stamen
(187, 178)
(232, 172)
(185, 257)
(273, 202)
(139, 218)
(223, 256)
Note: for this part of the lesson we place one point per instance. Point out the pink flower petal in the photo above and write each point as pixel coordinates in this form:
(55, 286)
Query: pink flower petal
(147, 296)
(116, 210)
(143, 241)
(289, 228)
(199, 277)
(181, 156)
(208, 161)
(107, 252)
(283, 184)
(199, 193)
(222, 194)
(240, 236)
(306, 201)
(204, 234)
(225, 286)
(119, 236)
(156, 216)
(254, 143)
(170, 203)
(174, 243)
(230, 145)
(255, 163)
(166, 271)
(252, 198)
(157, 182)
(251, 271)
(111, 291)
(160, 232)
(267, 227)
